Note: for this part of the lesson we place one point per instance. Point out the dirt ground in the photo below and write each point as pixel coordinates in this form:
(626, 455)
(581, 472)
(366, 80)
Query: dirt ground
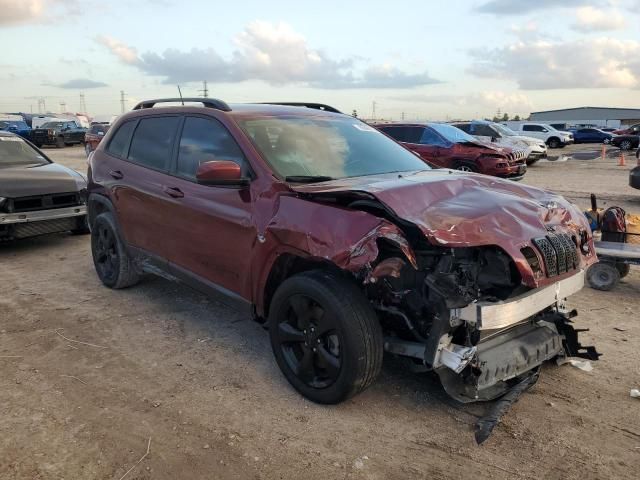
(88, 376)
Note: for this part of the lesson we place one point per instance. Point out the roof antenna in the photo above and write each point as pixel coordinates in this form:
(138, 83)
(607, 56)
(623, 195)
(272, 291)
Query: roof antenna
(180, 92)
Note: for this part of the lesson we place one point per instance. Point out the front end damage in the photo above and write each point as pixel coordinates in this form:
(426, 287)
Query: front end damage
(472, 286)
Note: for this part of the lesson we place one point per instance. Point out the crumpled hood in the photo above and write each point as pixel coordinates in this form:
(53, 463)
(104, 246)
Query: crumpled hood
(458, 209)
(481, 145)
(51, 178)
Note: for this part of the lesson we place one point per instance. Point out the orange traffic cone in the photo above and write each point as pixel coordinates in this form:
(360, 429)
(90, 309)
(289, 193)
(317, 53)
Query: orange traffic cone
(621, 161)
(604, 151)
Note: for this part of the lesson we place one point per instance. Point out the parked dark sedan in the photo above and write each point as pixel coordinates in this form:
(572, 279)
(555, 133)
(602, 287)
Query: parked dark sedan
(590, 135)
(37, 196)
(626, 142)
(59, 134)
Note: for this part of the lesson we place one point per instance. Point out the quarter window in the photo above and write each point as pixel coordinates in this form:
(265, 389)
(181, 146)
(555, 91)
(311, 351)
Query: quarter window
(152, 142)
(533, 128)
(205, 140)
(120, 142)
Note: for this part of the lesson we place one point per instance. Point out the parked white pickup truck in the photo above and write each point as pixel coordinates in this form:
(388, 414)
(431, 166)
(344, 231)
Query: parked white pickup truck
(499, 134)
(543, 131)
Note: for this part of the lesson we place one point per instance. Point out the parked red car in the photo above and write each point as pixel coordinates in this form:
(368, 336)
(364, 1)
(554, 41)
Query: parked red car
(343, 241)
(94, 136)
(446, 146)
(631, 130)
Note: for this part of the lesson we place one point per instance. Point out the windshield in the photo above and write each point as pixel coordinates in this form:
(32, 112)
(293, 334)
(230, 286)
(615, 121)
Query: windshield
(52, 125)
(15, 151)
(453, 134)
(506, 131)
(329, 147)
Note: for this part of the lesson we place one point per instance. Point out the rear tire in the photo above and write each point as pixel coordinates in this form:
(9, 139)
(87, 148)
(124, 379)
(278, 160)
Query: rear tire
(325, 336)
(60, 142)
(603, 276)
(87, 149)
(110, 257)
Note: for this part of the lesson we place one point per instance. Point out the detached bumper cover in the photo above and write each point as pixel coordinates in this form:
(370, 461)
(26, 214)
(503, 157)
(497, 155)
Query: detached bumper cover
(499, 315)
(40, 215)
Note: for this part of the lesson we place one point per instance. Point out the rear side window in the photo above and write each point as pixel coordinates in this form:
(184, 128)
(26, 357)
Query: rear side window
(532, 128)
(429, 137)
(404, 134)
(152, 142)
(120, 141)
(484, 131)
(465, 127)
(206, 140)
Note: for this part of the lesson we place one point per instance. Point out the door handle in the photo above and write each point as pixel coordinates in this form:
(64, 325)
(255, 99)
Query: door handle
(173, 192)
(117, 174)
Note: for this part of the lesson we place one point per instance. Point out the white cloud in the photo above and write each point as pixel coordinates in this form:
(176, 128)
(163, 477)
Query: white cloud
(125, 53)
(513, 102)
(590, 19)
(273, 53)
(19, 12)
(583, 63)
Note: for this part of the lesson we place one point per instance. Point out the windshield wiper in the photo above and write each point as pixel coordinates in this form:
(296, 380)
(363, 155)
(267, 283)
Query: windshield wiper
(307, 178)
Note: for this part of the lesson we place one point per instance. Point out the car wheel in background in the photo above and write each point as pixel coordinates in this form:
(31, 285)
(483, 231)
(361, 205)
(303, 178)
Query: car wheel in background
(60, 142)
(554, 142)
(531, 161)
(466, 167)
(325, 336)
(82, 226)
(623, 269)
(625, 145)
(607, 141)
(87, 149)
(112, 262)
(603, 276)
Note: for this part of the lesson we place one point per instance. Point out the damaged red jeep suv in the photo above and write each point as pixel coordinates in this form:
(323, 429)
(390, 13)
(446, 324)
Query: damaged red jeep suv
(343, 241)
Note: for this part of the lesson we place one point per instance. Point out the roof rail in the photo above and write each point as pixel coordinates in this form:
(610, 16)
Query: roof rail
(207, 102)
(317, 106)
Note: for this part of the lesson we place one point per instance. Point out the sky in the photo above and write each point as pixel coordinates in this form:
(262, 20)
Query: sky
(428, 59)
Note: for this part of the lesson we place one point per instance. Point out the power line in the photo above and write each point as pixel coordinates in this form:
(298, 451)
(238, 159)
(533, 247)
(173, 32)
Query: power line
(83, 104)
(205, 90)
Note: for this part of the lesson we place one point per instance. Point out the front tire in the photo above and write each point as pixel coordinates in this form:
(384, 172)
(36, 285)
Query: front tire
(466, 167)
(554, 142)
(87, 149)
(325, 336)
(112, 262)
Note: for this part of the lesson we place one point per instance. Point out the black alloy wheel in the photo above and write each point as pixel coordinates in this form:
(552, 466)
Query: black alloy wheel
(106, 256)
(309, 342)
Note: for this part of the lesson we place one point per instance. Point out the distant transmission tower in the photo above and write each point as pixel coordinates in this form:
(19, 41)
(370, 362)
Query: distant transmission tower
(122, 100)
(42, 108)
(205, 90)
(83, 104)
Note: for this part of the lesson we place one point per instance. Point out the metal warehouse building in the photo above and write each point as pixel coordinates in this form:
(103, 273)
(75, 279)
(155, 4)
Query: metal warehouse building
(591, 116)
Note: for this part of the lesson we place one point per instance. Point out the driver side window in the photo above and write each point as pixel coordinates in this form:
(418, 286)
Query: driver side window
(206, 140)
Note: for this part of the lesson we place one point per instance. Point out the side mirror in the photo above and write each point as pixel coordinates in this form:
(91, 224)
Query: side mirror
(220, 172)
(494, 139)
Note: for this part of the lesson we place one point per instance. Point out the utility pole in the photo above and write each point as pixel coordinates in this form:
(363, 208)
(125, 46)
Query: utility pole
(63, 107)
(122, 100)
(205, 90)
(42, 108)
(402, 116)
(83, 104)
(373, 110)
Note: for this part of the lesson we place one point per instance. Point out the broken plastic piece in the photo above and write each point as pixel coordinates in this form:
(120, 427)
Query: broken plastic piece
(486, 424)
(635, 393)
(584, 365)
(457, 357)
